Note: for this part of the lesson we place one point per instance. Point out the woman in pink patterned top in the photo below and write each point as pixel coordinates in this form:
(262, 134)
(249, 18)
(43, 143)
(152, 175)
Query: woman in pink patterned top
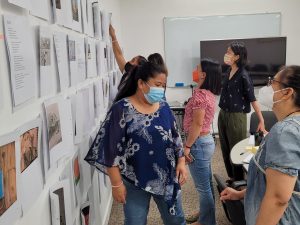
(200, 145)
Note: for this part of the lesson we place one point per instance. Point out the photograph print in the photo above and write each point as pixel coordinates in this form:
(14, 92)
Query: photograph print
(89, 52)
(58, 4)
(45, 52)
(76, 171)
(8, 180)
(72, 53)
(53, 125)
(75, 12)
(29, 147)
(61, 199)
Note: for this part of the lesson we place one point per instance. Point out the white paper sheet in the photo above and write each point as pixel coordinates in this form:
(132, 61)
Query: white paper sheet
(73, 8)
(85, 168)
(10, 182)
(90, 22)
(58, 130)
(106, 20)
(84, 15)
(105, 88)
(29, 158)
(78, 114)
(62, 14)
(101, 58)
(22, 3)
(67, 174)
(61, 52)
(91, 105)
(99, 98)
(96, 196)
(22, 59)
(91, 57)
(81, 60)
(97, 20)
(1, 99)
(48, 78)
(61, 203)
(42, 9)
(113, 85)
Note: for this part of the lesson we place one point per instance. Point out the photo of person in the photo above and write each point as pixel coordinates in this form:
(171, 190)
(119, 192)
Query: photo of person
(62, 212)
(76, 171)
(8, 181)
(58, 4)
(75, 13)
(72, 55)
(45, 52)
(29, 147)
(53, 125)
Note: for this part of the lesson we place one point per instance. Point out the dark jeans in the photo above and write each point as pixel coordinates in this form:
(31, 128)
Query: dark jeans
(232, 129)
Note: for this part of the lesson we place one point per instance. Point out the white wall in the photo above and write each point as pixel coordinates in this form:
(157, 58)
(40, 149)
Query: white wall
(9, 120)
(142, 23)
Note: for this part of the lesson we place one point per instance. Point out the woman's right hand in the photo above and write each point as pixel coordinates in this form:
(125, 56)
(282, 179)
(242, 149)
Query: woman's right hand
(119, 194)
(231, 194)
(112, 32)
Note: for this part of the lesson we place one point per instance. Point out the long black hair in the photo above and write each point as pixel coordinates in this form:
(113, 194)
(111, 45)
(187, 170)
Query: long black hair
(144, 72)
(213, 77)
(240, 49)
(157, 59)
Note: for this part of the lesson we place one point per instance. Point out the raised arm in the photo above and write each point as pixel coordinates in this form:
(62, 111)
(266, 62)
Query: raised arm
(117, 49)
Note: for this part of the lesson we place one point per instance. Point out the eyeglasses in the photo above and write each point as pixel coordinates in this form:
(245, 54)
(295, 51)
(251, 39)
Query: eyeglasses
(272, 80)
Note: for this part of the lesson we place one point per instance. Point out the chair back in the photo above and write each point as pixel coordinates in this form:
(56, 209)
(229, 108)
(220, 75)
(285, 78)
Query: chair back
(234, 209)
(269, 118)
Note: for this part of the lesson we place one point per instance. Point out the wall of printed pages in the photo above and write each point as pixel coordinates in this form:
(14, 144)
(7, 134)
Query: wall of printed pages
(58, 76)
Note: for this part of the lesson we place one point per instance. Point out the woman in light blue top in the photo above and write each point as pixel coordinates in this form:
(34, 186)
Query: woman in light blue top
(139, 146)
(273, 189)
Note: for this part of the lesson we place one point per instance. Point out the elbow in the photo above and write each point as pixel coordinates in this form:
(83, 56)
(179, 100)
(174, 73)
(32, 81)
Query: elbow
(281, 200)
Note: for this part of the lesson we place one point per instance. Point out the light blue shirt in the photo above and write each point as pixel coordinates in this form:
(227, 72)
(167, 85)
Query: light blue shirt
(280, 150)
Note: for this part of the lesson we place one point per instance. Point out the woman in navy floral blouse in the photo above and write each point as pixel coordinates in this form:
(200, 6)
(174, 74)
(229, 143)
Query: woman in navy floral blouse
(139, 146)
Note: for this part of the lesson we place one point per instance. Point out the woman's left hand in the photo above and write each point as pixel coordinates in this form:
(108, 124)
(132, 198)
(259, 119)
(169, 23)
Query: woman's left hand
(181, 171)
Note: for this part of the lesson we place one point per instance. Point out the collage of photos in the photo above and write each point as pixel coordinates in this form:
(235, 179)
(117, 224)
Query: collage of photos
(53, 124)
(8, 180)
(29, 147)
(45, 59)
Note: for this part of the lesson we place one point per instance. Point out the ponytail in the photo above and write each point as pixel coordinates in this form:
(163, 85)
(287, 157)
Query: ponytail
(144, 72)
(129, 86)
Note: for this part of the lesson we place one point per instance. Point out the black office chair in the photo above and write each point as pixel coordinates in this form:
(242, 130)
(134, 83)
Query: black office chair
(269, 117)
(234, 209)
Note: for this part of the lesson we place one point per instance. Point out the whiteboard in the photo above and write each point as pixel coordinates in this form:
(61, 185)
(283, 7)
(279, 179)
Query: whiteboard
(182, 36)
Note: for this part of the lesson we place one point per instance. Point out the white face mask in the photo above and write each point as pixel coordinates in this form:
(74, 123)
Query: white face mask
(265, 96)
(228, 59)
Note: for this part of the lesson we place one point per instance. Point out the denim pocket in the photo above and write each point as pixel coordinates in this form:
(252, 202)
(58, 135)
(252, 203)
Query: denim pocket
(203, 148)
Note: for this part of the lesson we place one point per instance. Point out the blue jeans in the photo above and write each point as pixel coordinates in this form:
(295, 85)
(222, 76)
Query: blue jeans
(200, 169)
(137, 207)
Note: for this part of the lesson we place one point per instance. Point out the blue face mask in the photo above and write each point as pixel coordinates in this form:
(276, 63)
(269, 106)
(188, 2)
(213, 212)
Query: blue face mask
(155, 94)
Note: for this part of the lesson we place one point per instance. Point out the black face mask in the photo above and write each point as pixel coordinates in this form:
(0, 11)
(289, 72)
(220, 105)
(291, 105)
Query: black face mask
(128, 67)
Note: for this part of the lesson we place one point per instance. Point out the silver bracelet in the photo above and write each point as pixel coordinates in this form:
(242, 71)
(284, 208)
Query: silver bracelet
(117, 186)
